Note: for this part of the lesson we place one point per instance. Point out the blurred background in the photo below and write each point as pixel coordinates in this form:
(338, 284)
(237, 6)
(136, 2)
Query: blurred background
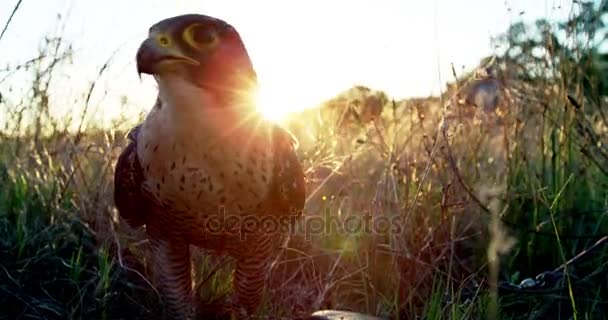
(304, 52)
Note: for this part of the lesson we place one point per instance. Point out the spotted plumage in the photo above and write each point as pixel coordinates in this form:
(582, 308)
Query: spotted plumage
(204, 158)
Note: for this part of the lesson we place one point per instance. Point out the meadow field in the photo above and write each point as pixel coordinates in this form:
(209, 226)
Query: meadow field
(488, 201)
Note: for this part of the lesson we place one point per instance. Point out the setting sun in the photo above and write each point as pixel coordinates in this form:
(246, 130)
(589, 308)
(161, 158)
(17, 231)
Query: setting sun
(271, 104)
(277, 99)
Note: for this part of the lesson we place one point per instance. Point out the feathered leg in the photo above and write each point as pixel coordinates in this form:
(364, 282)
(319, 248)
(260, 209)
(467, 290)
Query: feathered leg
(171, 267)
(251, 273)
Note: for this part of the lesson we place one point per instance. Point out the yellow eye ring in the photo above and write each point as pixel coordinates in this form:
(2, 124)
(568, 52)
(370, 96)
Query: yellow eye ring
(201, 36)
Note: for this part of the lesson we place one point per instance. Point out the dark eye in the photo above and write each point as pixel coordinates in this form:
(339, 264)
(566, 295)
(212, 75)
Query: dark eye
(201, 36)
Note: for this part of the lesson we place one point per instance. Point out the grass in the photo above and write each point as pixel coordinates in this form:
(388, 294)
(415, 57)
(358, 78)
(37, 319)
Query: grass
(485, 202)
(52, 265)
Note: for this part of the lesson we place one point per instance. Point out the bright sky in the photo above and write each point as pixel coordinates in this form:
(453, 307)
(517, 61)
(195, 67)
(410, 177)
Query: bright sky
(303, 51)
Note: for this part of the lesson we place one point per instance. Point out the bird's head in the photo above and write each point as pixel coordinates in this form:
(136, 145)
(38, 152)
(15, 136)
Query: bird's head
(203, 51)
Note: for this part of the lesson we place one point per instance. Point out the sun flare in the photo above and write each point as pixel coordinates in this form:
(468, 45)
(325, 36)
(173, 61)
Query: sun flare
(275, 103)
(270, 104)
(277, 100)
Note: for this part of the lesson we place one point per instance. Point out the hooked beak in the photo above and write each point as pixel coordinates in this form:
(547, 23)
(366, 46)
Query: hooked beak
(153, 58)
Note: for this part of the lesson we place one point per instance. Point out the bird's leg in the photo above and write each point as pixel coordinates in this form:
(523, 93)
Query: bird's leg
(171, 268)
(251, 273)
(249, 280)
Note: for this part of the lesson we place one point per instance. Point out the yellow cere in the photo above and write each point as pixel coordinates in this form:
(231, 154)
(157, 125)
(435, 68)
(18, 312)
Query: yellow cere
(163, 40)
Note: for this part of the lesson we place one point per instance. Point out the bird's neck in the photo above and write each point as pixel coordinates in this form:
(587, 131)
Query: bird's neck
(194, 111)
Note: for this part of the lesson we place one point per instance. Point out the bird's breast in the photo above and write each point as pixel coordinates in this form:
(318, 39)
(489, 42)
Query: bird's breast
(206, 172)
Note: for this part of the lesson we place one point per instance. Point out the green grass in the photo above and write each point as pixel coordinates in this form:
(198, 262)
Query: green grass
(52, 266)
(64, 253)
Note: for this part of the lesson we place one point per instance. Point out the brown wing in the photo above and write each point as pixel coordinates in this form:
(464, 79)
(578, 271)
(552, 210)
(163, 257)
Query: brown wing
(285, 198)
(128, 177)
(288, 192)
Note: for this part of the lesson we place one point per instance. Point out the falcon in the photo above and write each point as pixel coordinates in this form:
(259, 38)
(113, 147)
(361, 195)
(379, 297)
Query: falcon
(205, 168)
